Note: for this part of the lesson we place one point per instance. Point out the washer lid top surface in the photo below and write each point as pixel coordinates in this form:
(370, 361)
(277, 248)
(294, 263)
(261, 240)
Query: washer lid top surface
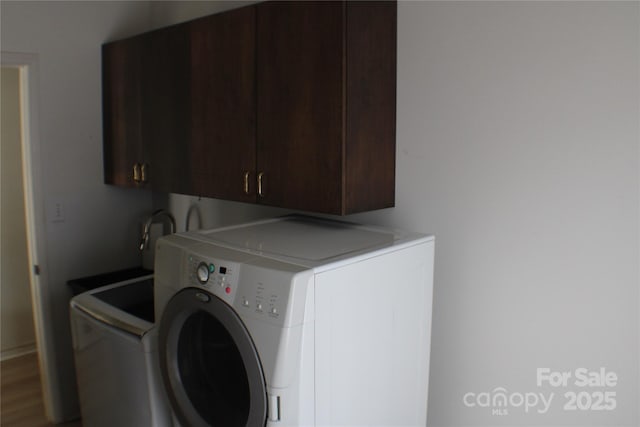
(303, 238)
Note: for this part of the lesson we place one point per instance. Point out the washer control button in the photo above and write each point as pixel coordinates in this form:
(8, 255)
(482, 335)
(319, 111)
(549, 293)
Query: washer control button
(202, 273)
(259, 306)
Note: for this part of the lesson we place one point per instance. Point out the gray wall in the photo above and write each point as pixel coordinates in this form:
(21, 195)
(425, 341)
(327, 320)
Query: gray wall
(100, 231)
(517, 146)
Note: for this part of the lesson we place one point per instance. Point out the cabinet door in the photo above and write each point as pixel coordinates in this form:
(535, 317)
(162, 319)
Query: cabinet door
(300, 104)
(222, 146)
(370, 146)
(166, 108)
(121, 100)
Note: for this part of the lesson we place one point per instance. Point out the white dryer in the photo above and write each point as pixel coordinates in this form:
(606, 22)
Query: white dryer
(295, 321)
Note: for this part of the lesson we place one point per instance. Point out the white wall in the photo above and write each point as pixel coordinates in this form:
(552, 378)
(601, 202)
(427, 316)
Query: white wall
(16, 319)
(518, 147)
(100, 232)
(172, 12)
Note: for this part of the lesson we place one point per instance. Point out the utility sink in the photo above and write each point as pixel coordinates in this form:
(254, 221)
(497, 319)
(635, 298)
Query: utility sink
(84, 284)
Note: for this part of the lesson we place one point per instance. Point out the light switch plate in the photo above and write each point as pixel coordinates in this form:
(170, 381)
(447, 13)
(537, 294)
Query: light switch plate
(56, 211)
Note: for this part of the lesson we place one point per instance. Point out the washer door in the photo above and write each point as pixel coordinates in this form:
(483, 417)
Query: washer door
(209, 364)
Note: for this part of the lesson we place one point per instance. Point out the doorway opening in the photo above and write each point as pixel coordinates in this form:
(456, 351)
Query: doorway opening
(18, 333)
(22, 187)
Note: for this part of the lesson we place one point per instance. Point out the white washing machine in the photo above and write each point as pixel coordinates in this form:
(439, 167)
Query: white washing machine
(295, 321)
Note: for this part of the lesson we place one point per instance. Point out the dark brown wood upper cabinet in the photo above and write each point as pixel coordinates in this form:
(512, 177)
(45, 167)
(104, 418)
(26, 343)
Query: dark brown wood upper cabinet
(222, 155)
(288, 104)
(121, 98)
(326, 81)
(146, 110)
(179, 108)
(166, 108)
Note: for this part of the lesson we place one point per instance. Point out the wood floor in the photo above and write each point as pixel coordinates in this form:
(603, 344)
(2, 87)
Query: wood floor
(21, 402)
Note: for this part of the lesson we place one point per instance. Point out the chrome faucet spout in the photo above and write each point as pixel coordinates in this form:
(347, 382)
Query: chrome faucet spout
(153, 218)
(143, 241)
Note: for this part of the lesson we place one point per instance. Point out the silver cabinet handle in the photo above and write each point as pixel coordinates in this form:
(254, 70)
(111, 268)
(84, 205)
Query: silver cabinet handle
(260, 190)
(136, 172)
(246, 182)
(144, 169)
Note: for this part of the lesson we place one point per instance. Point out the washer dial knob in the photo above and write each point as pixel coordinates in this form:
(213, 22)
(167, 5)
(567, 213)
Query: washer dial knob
(202, 272)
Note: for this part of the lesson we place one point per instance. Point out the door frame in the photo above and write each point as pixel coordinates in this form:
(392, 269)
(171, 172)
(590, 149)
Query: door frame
(27, 64)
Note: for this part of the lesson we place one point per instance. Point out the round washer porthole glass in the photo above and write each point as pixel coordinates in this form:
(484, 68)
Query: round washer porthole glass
(212, 372)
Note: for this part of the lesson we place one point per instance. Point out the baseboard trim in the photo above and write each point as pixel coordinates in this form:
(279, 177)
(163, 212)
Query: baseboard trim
(18, 351)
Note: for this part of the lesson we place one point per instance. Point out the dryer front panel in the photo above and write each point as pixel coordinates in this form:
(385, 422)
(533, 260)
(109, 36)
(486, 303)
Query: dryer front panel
(210, 367)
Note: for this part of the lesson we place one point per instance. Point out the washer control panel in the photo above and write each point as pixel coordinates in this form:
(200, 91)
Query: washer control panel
(257, 288)
(264, 300)
(272, 292)
(218, 276)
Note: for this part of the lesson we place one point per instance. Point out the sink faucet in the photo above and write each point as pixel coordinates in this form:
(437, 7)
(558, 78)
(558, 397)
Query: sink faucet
(153, 218)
